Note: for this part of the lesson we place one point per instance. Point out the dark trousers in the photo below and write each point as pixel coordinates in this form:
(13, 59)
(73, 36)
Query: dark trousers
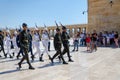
(59, 53)
(31, 51)
(25, 56)
(20, 52)
(75, 45)
(111, 41)
(48, 46)
(66, 50)
(2, 49)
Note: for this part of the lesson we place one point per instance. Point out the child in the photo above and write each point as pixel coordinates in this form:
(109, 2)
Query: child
(88, 40)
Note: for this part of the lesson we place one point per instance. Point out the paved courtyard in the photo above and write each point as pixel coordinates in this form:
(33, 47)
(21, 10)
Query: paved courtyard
(101, 65)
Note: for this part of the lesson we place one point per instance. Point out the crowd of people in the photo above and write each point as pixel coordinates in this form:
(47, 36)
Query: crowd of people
(92, 40)
(22, 42)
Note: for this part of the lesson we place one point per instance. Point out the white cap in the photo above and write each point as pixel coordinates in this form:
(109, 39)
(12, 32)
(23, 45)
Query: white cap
(8, 31)
(46, 29)
(15, 32)
(36, 28)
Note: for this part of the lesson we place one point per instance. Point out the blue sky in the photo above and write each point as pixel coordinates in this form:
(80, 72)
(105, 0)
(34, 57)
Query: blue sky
(14, 12)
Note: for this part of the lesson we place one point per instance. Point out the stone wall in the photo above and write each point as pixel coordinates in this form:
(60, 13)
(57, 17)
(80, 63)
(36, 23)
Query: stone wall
(102, 16)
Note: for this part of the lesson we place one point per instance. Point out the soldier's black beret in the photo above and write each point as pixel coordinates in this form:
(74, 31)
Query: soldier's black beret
(24, 25)
(28, 30)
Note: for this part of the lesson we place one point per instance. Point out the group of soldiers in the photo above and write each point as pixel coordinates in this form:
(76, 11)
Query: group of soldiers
(24, 41)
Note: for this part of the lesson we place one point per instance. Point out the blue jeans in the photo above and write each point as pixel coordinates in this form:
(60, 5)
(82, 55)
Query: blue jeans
(75, 45)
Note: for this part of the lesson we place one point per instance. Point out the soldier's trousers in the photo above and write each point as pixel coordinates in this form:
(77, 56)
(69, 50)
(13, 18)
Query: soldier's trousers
(31, 51)
(45, 44)
(59, 53)
(49, 46)
(20, 51)
(2, 49)
(25, 56)
(66, 50)
(37, 46)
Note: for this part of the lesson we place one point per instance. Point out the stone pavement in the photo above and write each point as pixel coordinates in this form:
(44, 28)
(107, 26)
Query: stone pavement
(101, 65)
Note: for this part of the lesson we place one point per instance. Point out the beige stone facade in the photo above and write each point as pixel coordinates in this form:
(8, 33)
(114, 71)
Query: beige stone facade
(71, 29)
(102, 16)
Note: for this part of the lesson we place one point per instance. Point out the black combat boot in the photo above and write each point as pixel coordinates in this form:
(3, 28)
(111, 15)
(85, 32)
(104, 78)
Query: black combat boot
(49, 57)
(41, 59)
(32, 57)
(52, 60)
(65, 62)
(70, 60)
(19, 65)
(32, 68)
(59, 58)
(11, 56)
(5, 55)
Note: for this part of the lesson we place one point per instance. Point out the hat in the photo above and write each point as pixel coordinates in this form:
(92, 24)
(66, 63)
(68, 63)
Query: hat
(15, 32)
(36, 28)
(8, 31)
(57, 29)
(24, 25)
(45, 29)
(63, 27)
(28, 30)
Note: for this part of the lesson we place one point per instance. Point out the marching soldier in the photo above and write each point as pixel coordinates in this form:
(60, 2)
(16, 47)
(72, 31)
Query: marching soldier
(58, 46)
(18, 44)
(2, 44)
(36, 38)
(14, 43)
(65, 38)
(8, 43)
(30, 45)
(24, 44)
(45, 40)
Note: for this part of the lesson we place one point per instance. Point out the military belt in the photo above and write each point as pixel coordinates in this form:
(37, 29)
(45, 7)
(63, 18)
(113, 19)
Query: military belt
(25, 40)
(65, 39)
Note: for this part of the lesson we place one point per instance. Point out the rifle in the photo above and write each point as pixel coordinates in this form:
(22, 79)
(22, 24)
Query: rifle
(56, 24)
(60, 24)
(36, 25)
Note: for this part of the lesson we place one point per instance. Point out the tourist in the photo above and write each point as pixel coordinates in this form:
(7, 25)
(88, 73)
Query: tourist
(116, 39)
(81, 39)
(76, 41)
(94, 41)
(88, 41)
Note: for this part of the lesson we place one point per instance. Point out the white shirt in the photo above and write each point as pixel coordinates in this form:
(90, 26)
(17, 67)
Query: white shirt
(45, 36)
(36, 37)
